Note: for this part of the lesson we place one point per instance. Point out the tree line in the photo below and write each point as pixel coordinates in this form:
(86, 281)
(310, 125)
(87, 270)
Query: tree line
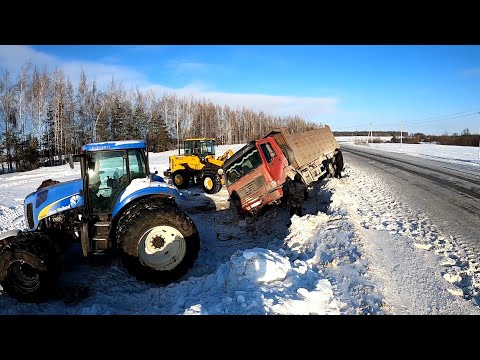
(376, 133)
(463, 139)
(44, 117)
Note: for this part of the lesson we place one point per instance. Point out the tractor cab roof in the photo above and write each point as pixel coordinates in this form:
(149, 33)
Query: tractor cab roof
(115, 145)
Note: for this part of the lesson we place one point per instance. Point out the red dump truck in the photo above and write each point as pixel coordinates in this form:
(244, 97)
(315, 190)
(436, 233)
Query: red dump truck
(256, 175)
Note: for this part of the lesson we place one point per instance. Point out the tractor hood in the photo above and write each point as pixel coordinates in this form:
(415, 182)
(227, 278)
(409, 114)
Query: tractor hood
(146, 187)
(52, 200)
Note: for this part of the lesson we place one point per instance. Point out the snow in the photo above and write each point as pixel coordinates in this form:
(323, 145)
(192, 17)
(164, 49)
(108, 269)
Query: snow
(454, 154)
(357, 250)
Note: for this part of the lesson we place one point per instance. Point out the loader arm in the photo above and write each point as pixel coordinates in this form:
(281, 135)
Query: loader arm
(226, 155)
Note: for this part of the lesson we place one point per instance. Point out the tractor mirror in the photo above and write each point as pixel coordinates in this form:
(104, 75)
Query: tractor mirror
(70, 160)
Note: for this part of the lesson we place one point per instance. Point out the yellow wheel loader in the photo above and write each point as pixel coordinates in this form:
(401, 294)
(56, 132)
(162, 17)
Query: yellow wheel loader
(198, 164)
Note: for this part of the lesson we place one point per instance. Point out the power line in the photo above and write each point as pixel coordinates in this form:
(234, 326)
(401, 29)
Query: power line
(441, 118)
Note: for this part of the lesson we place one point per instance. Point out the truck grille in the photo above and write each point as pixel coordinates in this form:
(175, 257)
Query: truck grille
(30, 215)
(247, 193)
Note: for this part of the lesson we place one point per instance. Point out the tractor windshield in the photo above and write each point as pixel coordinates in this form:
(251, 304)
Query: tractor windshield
(110, 172)
(199, 147)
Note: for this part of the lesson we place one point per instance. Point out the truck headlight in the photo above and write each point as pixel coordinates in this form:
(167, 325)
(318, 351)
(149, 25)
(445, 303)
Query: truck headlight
(255, 204)
(271, 186)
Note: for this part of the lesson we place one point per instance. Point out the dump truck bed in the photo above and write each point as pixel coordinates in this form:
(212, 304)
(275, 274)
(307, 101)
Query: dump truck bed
(305, 147)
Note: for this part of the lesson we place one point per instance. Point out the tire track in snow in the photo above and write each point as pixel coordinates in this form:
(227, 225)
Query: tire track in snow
(384, 212)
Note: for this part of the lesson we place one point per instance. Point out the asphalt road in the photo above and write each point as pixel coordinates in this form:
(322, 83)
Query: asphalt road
(448, 192)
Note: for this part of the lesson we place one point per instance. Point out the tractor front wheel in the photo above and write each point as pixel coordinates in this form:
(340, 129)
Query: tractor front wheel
(30, 265)
(157, 243)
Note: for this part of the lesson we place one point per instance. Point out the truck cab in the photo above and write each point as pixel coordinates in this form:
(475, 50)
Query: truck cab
(255, 175)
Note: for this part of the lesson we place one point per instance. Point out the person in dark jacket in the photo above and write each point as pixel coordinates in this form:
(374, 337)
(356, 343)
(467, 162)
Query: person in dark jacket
(296, 195)
(338, 164)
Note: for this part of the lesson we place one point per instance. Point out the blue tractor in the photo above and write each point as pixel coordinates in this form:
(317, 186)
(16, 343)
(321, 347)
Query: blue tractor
(117, 207)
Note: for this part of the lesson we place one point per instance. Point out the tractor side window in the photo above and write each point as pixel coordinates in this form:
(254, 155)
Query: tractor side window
(136, 164)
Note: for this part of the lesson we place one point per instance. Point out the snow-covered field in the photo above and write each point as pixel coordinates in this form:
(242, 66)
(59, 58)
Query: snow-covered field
(456, 154)
(351, 253)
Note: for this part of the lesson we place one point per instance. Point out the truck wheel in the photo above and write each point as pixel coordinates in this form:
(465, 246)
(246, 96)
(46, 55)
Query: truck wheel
(30, 265)
(180, 179)
(331, 168)
(235, 205)
(288, 154)
(157, 242)
(212, 184)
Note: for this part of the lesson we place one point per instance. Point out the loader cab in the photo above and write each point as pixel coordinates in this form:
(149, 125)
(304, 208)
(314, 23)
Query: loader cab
(201, 147)
(110, 168)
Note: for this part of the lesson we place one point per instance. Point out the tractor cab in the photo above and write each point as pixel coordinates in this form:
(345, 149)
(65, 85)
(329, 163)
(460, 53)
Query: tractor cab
(110, 168)
(201, 147)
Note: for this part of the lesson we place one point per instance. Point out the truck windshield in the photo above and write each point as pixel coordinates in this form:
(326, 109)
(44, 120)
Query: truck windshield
(249, 161)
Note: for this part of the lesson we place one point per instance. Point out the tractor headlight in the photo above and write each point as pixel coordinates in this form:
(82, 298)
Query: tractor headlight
(220, 172)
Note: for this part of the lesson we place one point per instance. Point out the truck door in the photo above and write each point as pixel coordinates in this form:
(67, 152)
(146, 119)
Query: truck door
(273, 158)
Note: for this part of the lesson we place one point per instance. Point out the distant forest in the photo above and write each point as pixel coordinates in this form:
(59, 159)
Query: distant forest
(44, 117)
(366, 132)
(463, 139)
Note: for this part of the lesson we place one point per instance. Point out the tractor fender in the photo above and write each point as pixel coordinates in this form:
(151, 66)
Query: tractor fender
(11, 233)
(144, 187)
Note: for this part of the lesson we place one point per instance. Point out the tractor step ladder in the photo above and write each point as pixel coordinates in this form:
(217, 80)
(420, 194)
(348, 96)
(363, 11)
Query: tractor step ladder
(101, 230)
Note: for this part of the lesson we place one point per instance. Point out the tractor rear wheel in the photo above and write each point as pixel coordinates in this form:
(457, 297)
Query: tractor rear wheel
(181, 179)
(157, 242)
(212, 184)
(30, 265)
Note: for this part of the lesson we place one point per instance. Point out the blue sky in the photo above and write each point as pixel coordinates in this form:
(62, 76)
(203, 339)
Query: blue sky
(431, 89)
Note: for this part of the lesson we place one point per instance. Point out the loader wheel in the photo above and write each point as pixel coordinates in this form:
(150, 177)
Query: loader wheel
(158, 242)
(180, 179)
(30, 265)
(212, 184)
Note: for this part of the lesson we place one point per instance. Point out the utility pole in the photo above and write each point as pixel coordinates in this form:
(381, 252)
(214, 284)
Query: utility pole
(401, 134)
